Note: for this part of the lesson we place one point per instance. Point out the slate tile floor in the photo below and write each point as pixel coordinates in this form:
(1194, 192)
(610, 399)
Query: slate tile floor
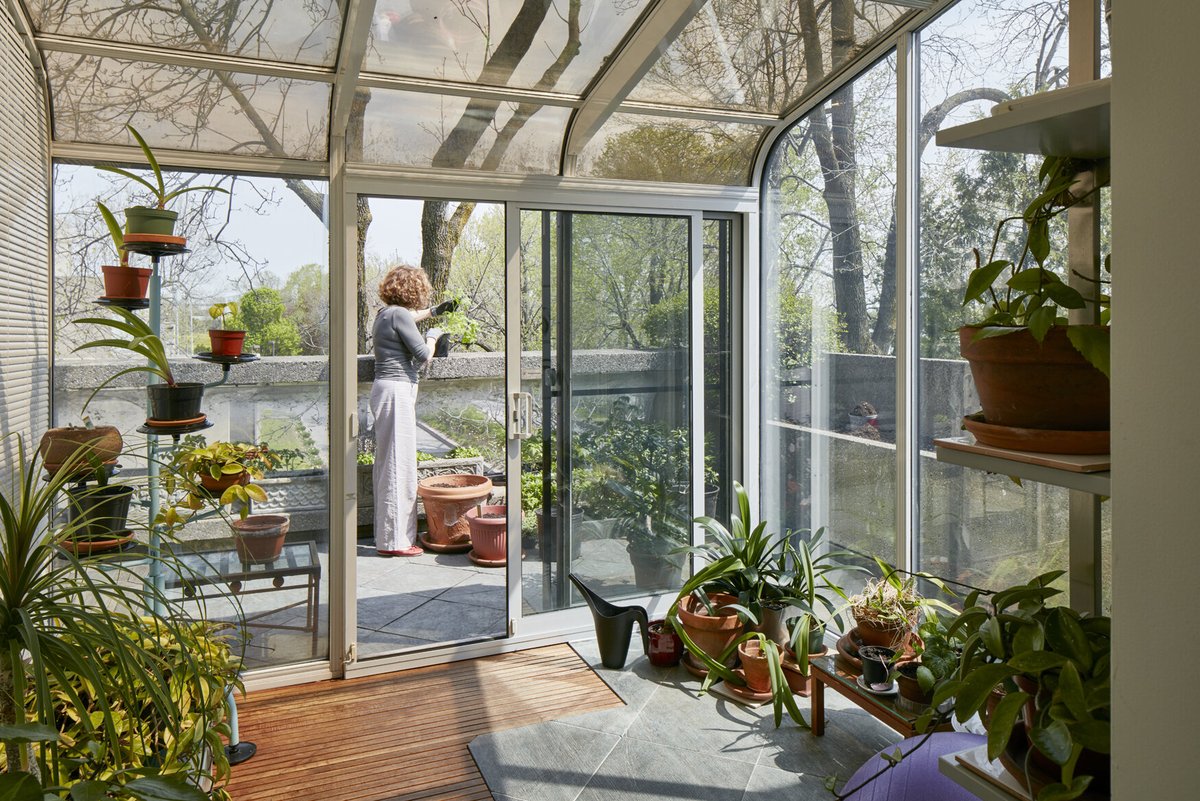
(669, 742)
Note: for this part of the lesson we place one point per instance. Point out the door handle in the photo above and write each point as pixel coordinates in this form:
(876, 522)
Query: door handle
(520, 421)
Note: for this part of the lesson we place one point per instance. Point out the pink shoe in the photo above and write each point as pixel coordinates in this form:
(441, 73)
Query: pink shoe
(415, 550)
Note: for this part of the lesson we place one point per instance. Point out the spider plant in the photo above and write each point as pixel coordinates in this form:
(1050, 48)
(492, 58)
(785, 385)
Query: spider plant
(86, 646)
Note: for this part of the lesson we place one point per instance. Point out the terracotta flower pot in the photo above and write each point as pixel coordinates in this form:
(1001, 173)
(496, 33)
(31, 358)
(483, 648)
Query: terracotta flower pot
(797, 682)
(58, 444)
(1026, 384)
(712, 634)
(218, 485)
(259, 538)
(889, 635)
(666, 649)
(755, 665)
(126, 283)
(910, 688)
(489, 532)
(447, 500)
(226, 343)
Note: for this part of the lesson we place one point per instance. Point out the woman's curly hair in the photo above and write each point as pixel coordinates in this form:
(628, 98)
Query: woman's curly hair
(407, 286)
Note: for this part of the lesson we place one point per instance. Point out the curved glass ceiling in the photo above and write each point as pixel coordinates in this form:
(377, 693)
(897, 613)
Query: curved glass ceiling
(675, 90)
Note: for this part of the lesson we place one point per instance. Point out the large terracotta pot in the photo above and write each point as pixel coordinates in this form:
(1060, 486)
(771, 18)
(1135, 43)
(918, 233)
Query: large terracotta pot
(888, 635)
(1026, 384)
(259, 538)
(712, 634)
(755, 666)
(489, 533)
(447, 500)
(58, 444)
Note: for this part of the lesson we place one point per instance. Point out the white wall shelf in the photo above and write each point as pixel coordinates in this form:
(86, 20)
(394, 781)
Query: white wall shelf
(1073, 121)
(1085, 473)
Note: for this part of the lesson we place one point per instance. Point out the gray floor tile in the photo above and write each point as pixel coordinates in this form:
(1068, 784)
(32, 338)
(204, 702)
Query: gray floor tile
(547, 762)
(373, 643)
(470, 592)
(851, 737)
(377, 608)
(441, 620)
(772, 784)
(642, 771)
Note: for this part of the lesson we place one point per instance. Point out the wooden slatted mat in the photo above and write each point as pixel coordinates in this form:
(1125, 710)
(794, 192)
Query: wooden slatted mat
(403, 736)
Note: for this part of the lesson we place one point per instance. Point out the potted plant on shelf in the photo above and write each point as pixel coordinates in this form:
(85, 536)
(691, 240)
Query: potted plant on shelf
(888, 610)
(155, 223)
(936, 657)
(1038, 376)
(155, 684)
(122, 282)
(104, 444)
(171, 402)
(96, 513)
(226, 340)
(1053, 665)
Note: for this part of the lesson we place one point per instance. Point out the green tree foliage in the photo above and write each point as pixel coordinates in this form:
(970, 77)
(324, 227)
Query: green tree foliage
(678, 151)
(306, 301)
(268, 328)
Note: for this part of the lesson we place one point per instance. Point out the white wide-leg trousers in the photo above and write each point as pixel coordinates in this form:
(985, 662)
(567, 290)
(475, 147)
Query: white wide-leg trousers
(394, 407)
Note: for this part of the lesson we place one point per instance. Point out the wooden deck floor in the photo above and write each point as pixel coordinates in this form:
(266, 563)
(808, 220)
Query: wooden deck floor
(404, 736)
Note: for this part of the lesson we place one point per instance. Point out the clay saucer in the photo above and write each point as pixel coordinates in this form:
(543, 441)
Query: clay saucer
(745, 692)
(481, 561)
(695, 668)
(91, 547)
(1038, 440)
(175, 423)
(444, 547)
(847, 648)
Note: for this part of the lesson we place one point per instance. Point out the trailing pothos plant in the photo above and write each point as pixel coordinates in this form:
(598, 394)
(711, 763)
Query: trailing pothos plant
(1051, 662)
(249, 463)
(1024, 293)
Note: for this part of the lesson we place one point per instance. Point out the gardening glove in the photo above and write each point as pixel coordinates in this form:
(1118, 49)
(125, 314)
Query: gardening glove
(434, 333)
(444, 307)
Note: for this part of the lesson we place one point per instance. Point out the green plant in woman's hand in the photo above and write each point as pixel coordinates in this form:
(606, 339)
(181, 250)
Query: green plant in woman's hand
(1024, 293)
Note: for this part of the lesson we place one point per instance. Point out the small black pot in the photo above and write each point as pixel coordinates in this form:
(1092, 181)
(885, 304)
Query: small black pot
(877, 663)
(179, 402)
(96, 513)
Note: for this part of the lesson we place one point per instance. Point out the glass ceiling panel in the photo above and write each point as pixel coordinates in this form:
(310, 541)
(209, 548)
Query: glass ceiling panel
(187, 108)
(415, 129)
(762, 55)
(515, 43)
(300, 31)
(643, 148)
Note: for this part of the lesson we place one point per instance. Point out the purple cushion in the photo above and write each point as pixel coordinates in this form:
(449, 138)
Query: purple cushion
(917, 777)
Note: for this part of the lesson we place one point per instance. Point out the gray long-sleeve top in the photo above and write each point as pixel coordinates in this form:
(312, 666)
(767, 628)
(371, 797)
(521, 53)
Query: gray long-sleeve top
(400, 350)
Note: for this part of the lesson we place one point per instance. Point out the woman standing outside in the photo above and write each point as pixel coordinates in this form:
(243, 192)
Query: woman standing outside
(400, 353)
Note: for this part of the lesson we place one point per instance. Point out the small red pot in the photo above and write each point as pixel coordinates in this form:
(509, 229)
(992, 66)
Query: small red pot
(666, 647)
(226, 343)
(489, 533)
(126, 283)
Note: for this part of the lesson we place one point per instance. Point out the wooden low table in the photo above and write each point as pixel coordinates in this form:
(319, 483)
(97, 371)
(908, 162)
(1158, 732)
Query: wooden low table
(827, 672)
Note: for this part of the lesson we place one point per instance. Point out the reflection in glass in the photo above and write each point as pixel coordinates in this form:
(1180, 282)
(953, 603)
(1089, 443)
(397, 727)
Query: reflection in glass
(281, 400)
(610, 463)
(423, 130)
(558, 46)
(829, 300)
(644, 148)
(763, 55)
(974, 527)
(303, 31)
(187, 108)
(719, 437)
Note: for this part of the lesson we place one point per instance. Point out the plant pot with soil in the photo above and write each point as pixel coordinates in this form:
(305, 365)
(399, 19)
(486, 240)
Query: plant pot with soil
(1038, 376)
(447, 499)
(122, 282)
(889, 608)
(171, 402)
(489, 535)
(83, 448)
(710, 624)
(259, 538)
(755, 664)
(96, 518)
(226, 340)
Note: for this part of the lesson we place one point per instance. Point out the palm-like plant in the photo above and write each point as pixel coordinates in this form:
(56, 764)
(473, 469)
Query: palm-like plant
(141, 340)
(81, 644)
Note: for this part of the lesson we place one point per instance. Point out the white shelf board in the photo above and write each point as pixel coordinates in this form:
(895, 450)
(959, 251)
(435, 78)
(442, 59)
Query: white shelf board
(989, 781)
(1072, 472)
(1073, 121)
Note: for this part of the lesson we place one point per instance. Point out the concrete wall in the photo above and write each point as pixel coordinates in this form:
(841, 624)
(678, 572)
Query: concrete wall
(1156, 368)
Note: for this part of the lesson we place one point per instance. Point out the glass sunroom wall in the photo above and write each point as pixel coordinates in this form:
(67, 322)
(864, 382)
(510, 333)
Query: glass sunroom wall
(828, 302)
(264, 246)
(977, 527)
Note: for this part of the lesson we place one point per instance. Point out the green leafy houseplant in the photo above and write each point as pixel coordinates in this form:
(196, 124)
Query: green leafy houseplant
(158, 219)
(1053, 666)
(225, 467)
(1023, 294)
(459, 325)
(104, 662)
